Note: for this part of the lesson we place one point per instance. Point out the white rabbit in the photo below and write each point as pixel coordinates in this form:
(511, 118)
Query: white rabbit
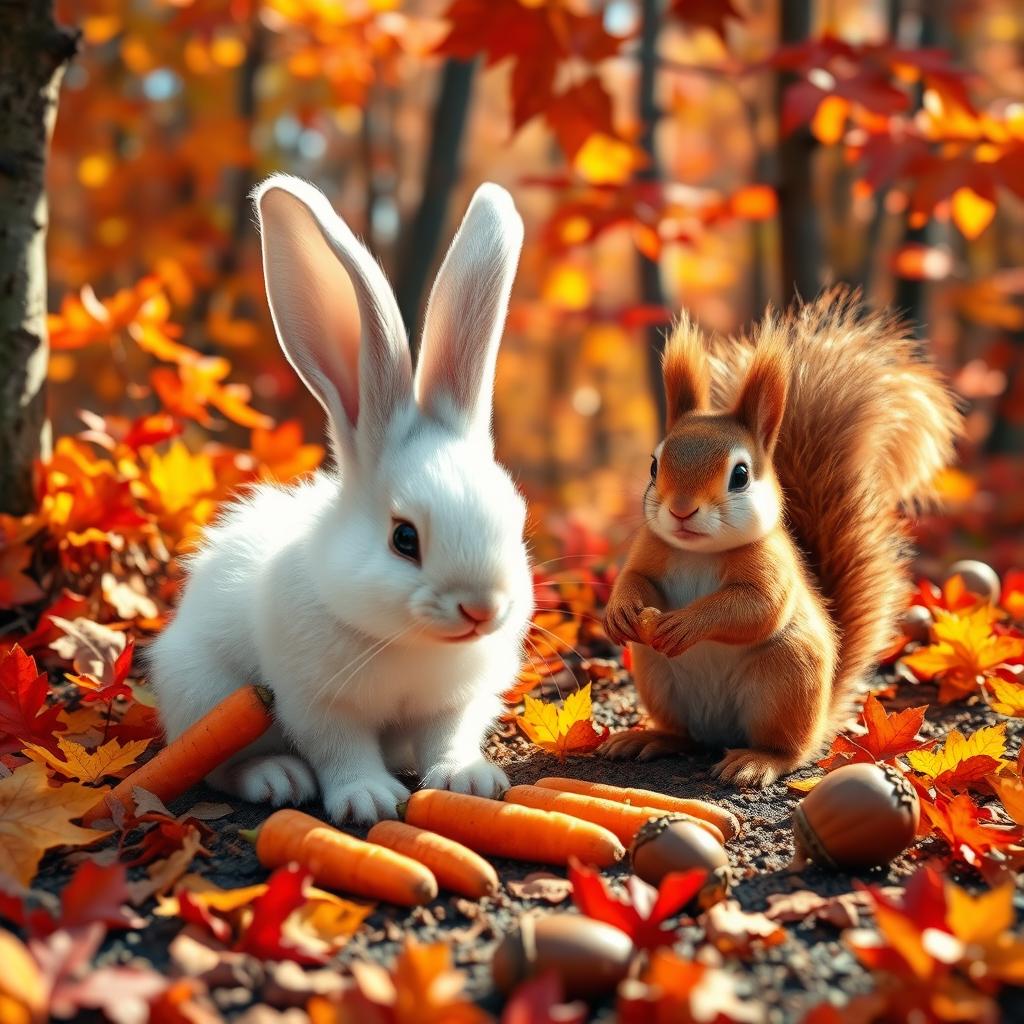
(384, 602)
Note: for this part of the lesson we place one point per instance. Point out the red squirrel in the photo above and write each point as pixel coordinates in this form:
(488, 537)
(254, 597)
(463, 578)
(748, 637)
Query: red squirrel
(773, 562)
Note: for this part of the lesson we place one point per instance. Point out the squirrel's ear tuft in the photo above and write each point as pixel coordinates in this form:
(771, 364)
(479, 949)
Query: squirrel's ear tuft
(687, 376)
(762, 400)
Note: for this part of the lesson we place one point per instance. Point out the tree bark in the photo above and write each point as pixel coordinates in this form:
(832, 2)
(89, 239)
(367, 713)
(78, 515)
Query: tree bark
(802, 256)
(33, 53)
(651, 292)
(419, 248)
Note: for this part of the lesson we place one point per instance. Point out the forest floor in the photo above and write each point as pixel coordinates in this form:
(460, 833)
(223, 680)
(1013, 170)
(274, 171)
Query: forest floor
(810, 967)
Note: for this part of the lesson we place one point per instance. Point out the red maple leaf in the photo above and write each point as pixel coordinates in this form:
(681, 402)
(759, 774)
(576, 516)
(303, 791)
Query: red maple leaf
(968, 829)
(887, 736)
(24, 717)
(643, 913)
(96, 894)
(262, 938)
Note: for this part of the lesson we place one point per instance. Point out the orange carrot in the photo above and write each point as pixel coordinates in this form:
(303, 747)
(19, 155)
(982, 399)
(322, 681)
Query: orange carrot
(622, 819)
(340, 861)
(455, 867)
(240, 718)
(507, 830)
(725, 821)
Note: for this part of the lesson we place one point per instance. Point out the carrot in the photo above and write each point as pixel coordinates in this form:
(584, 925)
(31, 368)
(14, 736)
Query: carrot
(622, 819)
(240, 718)
(507, 830)
(725, 821)
(340, 861)
(455, 867)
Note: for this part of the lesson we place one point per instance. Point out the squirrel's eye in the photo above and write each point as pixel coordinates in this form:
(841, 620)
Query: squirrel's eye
(654, 467)
(740, 477)
(406, 541)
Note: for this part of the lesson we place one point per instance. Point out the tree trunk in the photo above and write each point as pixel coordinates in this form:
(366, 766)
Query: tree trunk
(442, 171)
(802, 256)
(33, 52)
(651, 292)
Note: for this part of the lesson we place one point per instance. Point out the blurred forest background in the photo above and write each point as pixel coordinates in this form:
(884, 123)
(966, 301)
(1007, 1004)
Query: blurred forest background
(717, 155)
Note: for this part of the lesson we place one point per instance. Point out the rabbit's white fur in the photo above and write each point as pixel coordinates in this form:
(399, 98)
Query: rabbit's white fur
(299, 588)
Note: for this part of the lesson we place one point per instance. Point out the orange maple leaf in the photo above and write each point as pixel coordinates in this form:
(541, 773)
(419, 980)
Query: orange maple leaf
(887, 736)
(970, 835)
(967, 651)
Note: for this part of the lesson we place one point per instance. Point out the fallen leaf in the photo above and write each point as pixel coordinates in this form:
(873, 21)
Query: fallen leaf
(736, 932)
(961, 762)
(24, 993)
(541, 885)
(643, 912)
(970, 836)
(35, 816)
(24, 716)
(886, 736)
(1010, 790)
(563, 730)
(75, 762)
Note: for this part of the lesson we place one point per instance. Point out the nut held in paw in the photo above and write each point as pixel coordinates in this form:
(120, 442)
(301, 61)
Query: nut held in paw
(859, 816)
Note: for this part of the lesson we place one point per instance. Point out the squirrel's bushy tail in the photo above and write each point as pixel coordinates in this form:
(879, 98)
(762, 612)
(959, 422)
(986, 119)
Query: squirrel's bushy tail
(868, 425)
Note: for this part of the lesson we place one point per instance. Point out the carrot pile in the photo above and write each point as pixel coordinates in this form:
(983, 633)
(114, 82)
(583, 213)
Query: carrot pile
(725, 821)
(510, 830)
(238, 720)
(340, 861)
(623, 820)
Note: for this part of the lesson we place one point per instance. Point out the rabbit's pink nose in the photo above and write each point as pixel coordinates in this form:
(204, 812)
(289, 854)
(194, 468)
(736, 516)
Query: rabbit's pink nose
(479, 612)
(683, 516)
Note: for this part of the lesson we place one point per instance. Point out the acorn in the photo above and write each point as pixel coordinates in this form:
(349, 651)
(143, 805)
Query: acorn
(590, 957)
(859, 816)
(674, 843)
(916, 623)
(979, 578)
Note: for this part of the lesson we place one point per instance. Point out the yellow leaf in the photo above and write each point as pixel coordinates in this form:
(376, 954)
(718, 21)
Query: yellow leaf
(966, 651)
(1009, 697)
(567, 287)
(961, 760)
(562, 730)
(35, 816)
(972, 213)
(605, 160)
(829, 121)
(804, 785)
(88, 766)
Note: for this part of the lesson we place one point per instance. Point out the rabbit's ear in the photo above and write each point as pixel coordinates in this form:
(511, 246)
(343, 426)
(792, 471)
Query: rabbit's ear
(334, 312)
(466, 313)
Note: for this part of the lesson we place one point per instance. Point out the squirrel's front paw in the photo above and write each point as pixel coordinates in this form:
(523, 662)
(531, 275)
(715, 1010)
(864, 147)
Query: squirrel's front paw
(671, 636)
(643, 745)
(366, 801)
(627, 622)
(478, 777)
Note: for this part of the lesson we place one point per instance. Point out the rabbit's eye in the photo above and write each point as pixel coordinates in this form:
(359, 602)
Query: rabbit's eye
(406, 541)
(654, 467)
(740, 477)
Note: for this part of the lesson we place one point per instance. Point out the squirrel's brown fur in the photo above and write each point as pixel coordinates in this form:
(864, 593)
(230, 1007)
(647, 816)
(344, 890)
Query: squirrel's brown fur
(867, 424)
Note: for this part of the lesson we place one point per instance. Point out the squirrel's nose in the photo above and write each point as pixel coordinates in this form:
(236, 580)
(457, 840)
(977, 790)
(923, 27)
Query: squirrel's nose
(683, 516)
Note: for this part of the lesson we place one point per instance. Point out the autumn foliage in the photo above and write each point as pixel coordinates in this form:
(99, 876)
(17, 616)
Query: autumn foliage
(679, 161)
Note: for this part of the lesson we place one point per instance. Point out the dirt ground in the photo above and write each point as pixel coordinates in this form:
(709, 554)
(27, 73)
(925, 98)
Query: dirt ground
(810, 967)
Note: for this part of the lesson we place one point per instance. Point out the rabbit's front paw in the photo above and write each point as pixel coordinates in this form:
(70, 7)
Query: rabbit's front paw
(479, 777)
(366, 801)
(276, 779)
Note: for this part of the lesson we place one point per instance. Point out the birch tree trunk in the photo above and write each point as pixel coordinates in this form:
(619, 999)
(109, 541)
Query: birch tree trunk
(33, 53)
